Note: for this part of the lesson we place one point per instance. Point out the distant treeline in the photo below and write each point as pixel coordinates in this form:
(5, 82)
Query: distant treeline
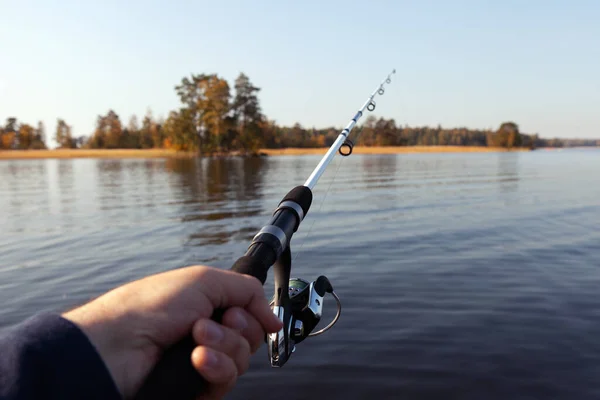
(213, 120)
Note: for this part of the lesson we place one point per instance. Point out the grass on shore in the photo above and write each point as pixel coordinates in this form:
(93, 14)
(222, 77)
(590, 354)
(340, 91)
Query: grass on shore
(164, 153)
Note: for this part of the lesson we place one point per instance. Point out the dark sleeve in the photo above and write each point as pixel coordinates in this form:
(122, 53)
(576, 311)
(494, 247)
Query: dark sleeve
(48, 357)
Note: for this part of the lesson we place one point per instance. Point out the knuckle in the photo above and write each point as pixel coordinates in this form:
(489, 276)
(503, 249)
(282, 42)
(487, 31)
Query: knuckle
(255, 285)
(201, 270)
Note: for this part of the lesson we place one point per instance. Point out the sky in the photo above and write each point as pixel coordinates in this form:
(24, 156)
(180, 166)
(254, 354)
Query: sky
(458, 63)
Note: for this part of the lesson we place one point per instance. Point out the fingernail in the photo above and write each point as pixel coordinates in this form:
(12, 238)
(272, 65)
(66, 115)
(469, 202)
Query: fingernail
(211, 361)
(214, 334)
(239, 322)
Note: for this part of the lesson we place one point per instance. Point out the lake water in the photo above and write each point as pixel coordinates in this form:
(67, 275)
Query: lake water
(463, 276)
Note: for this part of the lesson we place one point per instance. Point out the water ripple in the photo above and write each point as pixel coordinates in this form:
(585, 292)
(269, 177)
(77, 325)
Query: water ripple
(463, 276)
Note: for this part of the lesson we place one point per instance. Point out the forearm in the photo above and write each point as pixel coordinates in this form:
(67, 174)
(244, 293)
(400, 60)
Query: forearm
(49, 357)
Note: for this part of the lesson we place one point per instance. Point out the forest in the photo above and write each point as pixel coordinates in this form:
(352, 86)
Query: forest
(214, 118)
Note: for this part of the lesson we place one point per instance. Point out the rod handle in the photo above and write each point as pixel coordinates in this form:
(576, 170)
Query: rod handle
(174, 377)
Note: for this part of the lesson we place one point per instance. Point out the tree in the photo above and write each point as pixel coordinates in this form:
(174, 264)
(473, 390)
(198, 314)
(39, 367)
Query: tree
(9, 134)
(108, 133)
(151, 133)
(26, 136)
(131, 138)
(386, 132)
(368, 132)
(206, 98)
(180, 131)
(11, 124)
(215, 108)
(133, 125)
(111, 125)
(508, 135)
(63, 136)
(39, 141)
(247, 115)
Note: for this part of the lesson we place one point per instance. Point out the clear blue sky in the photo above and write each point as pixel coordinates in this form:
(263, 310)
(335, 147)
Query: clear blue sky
(459, 63)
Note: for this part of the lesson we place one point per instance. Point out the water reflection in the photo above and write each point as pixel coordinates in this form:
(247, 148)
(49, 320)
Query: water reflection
(23, 190)
(508, 172)
(379, 176)
(378, 170)
(477, 300)
(213, 180)
(64, 177)
(110, 183)
(218, 189)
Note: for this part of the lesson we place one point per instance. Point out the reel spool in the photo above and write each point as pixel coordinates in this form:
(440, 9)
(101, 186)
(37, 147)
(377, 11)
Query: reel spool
(306, 301)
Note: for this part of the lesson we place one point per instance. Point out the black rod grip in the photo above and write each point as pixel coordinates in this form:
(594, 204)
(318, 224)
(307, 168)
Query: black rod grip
(174, 376)
(254, 265)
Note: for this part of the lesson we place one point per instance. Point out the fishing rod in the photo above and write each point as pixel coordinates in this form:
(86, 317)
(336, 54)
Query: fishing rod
(296, 302)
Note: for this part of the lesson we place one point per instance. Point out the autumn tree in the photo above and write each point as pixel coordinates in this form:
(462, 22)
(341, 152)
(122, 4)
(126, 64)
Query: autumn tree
(22, 136)
(63, 135)
(180, 131)
(26, 136)
(113, 130)
(130, 136)
(367, 132)
(108, 133)
(151, 133)
(247, 114)
(206, 99)
(507, 135)
(216, 107)
(39, 140)
(9, 134)
(386, 132)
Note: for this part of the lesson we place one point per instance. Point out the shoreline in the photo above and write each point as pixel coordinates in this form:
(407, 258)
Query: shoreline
(92, 153)
(165, 153)
(393, 150)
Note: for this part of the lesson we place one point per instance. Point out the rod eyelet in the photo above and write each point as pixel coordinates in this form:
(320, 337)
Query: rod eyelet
(347, 143)
(380, 91)
(388, 81)
(371, 106)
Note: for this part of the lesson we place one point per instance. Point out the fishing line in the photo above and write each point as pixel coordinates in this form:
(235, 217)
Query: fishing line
(297, 303)
(339, 165)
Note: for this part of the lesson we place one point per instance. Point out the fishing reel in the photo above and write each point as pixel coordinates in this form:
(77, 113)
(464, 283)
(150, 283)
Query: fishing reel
(300, 314)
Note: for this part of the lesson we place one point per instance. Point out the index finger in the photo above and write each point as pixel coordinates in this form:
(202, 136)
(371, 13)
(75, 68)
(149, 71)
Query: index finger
(225, 289)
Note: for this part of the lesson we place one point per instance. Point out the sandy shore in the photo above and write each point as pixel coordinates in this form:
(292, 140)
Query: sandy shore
(93, 153)
(163, 153)
(392, 150)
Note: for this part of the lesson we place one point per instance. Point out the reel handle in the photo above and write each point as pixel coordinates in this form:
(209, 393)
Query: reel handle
(322, 286)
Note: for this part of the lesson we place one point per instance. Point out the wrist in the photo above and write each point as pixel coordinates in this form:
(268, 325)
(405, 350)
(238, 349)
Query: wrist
(111, 340)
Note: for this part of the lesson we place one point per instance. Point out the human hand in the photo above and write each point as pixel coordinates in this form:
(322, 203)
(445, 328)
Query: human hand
(133, 324)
